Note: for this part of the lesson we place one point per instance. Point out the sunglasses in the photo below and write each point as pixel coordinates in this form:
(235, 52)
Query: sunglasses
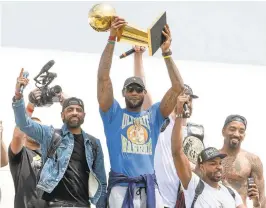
(133, 88)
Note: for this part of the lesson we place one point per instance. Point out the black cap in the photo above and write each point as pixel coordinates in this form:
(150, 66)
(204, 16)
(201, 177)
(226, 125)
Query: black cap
(209, 154)
(72, 101)
(134, 80)
(189, 91)
(235, 117)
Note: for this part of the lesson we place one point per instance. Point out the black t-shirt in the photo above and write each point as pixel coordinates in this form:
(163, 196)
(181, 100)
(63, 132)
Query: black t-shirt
(73, 187)
(24, 167)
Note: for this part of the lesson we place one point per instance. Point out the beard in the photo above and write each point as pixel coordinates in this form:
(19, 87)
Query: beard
(215, 177)
(134, 104)
(234, 143)
(74, 123)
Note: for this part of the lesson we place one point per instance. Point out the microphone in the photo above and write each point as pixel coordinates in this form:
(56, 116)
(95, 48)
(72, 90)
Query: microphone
(47, 66)
(186, 110)
(25, 75)
(127, 53)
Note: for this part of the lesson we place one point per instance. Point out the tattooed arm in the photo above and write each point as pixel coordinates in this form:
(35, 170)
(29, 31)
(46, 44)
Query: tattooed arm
(169, 100)
(257, 174)
(104, 85)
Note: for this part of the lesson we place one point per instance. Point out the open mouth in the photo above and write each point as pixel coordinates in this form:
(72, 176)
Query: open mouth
(218, 174)
(235, 141)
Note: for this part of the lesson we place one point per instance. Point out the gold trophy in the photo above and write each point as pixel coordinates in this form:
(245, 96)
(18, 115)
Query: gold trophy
(100, 19)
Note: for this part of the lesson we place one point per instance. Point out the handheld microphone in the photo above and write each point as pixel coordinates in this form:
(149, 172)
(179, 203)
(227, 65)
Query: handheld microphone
(127, 53)
(25, 75)
(186, 110)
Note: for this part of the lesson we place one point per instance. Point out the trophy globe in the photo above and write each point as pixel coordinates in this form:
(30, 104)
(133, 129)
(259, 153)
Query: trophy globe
(100, 17)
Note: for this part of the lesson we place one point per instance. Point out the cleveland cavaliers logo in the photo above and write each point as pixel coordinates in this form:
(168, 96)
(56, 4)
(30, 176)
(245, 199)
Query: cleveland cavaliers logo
(136, 133)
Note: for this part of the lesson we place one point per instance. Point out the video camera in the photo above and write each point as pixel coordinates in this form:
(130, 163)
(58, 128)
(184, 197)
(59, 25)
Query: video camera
(42, 81)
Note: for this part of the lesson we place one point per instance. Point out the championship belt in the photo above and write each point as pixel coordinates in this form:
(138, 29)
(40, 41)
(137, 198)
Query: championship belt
(193, 143)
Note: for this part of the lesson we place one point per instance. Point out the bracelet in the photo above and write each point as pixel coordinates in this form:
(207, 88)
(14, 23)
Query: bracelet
(111, 42)
(166, 57)
(113, 38)
(17, 93)
(168, 53)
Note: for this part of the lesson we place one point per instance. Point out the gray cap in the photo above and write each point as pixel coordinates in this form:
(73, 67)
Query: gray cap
(209, 154)
(134, 80)
(235, 117)
(189, 91)
(72, 101)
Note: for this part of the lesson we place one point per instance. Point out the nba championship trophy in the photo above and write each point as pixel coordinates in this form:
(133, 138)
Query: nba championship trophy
(100, 19)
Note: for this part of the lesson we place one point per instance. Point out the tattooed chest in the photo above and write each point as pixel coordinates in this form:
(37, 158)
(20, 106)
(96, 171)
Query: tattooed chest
(235, 172)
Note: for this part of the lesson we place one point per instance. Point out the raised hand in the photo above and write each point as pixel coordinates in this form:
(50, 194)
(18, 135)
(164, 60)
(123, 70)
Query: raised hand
(35, 96)
(168, 39)
(117, 23)
(139, 49)
(21, 81)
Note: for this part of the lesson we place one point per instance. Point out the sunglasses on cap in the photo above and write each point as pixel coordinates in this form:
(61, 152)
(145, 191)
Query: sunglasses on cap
(132, 88)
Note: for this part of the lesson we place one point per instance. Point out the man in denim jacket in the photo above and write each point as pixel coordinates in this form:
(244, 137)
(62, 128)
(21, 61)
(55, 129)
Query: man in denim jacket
(76, 175)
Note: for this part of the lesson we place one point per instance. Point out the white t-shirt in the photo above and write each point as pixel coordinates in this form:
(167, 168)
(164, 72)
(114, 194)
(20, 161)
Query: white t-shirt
(210, 197)
(165, 171)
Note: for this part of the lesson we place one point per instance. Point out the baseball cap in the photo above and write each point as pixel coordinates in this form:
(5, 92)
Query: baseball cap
(189, 91)
(72, 101)
(210, 153)
(235, 117)
(134, 80)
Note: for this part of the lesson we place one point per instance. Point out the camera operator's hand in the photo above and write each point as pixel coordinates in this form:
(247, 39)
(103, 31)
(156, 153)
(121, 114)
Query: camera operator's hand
(21, 81)
(62, 97)
(35, 96)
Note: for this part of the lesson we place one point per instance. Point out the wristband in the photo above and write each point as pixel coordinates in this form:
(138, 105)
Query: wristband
(168, 53)
(113, 38)
(111, 42)
(17, 93)
(166, 57)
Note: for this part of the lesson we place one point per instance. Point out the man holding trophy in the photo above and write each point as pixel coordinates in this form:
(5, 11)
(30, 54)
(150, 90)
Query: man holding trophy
(131, 133)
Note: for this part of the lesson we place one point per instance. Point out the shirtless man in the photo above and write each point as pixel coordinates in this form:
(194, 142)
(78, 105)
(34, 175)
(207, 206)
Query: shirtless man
(239, 165)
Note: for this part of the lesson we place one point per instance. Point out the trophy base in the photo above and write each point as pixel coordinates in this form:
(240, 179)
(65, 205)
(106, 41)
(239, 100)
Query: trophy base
(152, 39)
(155, 36)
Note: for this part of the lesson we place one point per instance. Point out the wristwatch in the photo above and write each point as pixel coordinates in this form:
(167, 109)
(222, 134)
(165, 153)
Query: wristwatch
(14, 99)
(179, 115)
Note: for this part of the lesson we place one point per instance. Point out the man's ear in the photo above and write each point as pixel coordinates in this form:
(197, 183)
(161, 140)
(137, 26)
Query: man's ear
(62, 116)
(223, 132)
(123, 93)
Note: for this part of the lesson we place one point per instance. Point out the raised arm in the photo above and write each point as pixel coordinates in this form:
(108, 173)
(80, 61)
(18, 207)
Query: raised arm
(33, 129)
(4, 158)
(181, 161)
(257, 174)
(139, 72)
(169, 100)
(104, 85)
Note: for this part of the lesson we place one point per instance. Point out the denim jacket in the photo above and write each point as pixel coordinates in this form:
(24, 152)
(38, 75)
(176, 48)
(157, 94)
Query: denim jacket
(54, 170)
